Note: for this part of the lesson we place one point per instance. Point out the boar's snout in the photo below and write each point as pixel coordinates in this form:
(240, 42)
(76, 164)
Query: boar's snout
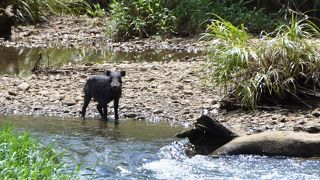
(115, 85)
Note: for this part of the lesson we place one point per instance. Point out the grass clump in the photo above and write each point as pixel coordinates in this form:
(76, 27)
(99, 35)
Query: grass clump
(281, 68)
(21, 157)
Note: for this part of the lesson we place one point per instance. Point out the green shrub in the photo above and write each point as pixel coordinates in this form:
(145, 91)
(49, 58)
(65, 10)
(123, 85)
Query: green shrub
(21, 157)
(139, 18)
(280, 68)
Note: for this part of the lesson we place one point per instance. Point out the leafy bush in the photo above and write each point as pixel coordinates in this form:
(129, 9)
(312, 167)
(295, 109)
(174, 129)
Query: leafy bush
(21, 157)
(139, 18)
(280, 68)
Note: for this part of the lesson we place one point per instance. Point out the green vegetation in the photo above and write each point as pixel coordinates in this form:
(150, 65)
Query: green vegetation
(193, 16)
(21, 157)
(96, 11)
(142, 18)
(38, 10)
(282, 67)
(139, 18)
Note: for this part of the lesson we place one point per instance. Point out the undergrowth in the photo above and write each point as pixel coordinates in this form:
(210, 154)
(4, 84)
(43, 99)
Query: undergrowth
(142, 18)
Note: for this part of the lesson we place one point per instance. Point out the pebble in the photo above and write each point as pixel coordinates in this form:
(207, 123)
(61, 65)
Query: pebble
(24, 86)
(12, 93)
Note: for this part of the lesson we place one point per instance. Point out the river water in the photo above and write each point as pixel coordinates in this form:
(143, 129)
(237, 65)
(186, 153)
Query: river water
(144, 150)
(20, 60)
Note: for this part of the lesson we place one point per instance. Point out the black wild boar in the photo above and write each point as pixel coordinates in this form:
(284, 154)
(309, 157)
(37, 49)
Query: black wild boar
(7, 19)
(104, 89)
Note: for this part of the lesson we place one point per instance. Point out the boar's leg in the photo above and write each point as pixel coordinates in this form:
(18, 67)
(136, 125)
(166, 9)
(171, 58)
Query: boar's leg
(116, 107)
(105, 111)
(99, 108)
(85, 105)
(102, 108)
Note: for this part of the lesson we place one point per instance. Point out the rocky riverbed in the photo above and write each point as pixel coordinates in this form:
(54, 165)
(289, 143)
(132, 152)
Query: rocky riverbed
(174, 91)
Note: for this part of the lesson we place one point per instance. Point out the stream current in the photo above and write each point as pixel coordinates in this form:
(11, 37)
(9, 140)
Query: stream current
(144, 150)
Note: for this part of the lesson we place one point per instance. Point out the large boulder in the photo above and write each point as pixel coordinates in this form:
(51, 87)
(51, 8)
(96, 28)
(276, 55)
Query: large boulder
(210, 137)
(7, 19)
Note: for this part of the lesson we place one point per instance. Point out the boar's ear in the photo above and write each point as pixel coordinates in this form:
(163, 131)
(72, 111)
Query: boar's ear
(123, 73)
(11, 10)
(108, 73)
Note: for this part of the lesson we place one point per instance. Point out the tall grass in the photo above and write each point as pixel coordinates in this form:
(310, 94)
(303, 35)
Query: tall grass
(21, 157)
(38, 10)
(281, 67)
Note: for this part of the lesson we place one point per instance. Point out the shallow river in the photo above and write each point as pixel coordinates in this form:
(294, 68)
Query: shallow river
(19, 61)
(144, 150)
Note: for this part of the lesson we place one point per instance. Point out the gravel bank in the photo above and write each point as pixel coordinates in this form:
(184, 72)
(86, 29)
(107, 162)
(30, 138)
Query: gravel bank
(173, 91)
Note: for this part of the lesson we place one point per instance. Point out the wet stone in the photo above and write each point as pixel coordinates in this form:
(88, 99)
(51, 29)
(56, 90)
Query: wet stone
(131, 115)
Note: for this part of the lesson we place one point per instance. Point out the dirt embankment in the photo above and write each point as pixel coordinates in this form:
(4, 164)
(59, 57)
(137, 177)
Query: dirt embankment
(173, 91)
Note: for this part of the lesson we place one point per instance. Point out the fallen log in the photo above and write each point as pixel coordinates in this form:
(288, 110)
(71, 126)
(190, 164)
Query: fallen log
(210, 137)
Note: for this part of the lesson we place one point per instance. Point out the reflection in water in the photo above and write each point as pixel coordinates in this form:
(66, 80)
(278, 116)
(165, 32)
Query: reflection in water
(143, 150)
(21, 60)
(8, 60)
